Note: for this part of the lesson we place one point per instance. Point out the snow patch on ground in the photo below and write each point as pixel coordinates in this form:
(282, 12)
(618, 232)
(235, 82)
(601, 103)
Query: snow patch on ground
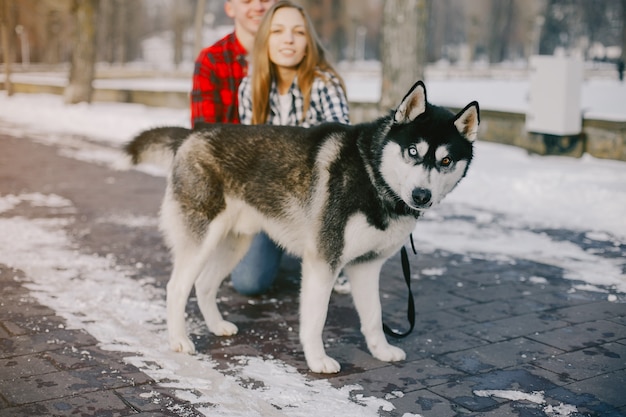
(537, 397)
(128, 315)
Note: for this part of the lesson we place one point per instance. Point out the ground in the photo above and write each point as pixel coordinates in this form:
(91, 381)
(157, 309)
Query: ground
(508, 337)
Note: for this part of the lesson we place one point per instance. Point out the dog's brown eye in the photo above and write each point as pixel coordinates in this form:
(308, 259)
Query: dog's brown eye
(446, 161)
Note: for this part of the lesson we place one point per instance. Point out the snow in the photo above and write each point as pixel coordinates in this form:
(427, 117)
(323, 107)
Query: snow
(534, 397)
(500, 211)
(537, 397)
(601, 98)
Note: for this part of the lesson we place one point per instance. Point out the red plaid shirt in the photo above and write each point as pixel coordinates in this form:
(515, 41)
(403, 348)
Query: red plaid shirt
(217, 74)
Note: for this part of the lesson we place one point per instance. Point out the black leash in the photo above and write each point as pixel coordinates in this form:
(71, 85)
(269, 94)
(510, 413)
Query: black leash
(410, 314)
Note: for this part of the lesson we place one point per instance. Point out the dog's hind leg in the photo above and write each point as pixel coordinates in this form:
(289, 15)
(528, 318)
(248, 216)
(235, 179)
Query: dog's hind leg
(220, 263)
(317, 285)
(187, 266)
(190, 258)
(364, 280)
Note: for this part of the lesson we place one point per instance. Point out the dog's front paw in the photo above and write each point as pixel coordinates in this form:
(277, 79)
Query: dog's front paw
(323, 365)
(183, 345)
(223, 328)
(388, 353)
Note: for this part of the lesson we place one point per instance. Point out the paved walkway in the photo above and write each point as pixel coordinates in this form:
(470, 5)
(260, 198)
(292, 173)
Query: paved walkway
(491, 339)
(48, 370)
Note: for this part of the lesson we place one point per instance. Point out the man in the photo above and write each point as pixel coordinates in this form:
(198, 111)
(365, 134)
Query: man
(218, 72)
(220, 68)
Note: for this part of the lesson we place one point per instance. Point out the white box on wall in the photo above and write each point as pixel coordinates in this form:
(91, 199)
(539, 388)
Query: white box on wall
(554, 105)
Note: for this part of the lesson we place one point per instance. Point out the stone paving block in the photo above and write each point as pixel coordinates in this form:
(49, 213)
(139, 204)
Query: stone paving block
(10, 282)
(431, 321)
(551, 294)
(499, 355)
(437, 300)
(76, 358)
(514, 409)
(438, 343)
(608, 388)
(555, 378)
(399, 377)
(586, 404)
(525, 380)
(21, 305)
(224, 356)
(40, 342)
(106, 378)
(512, 327)
(37, 388)
(549, 408)
(475, 278)
(146, 398)
(500, 309)
(21, 366)
(581, 335)
(592, 311)
(89, 404)
(463, 391)
(610, 413)
(587, 296)
(423, 403)
(12, 329)
(619, 319)
(430, 372)
(42, 387)
(18, 325)
(560, 297)
(587, 363)
(502, 291)
(381, 381)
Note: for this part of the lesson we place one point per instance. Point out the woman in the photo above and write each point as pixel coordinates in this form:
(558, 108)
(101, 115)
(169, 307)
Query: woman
(292, 84)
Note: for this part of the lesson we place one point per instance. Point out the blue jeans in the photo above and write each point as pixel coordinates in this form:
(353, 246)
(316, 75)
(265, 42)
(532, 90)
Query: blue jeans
(255, 273)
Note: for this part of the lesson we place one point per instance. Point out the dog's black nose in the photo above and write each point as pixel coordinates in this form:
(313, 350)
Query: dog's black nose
(421, 196)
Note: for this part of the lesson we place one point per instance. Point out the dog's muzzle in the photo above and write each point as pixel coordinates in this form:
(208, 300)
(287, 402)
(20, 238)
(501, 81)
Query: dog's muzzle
(422, 198)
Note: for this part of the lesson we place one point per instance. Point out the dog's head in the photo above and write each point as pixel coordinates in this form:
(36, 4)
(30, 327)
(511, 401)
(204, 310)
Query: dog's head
(427, 149)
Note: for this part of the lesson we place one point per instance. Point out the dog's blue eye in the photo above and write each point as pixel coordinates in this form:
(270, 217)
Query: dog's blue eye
(412, 151)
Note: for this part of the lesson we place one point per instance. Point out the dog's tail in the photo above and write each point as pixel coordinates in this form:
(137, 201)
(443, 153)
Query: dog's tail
(156, 146)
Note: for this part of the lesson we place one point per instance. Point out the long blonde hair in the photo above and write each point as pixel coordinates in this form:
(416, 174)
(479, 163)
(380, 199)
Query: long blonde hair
(264, 70)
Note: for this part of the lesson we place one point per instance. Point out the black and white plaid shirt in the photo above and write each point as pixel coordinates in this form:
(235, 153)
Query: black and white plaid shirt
(328, 103)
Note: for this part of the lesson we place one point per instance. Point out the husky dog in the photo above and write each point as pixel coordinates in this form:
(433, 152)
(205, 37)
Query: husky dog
(341, 197)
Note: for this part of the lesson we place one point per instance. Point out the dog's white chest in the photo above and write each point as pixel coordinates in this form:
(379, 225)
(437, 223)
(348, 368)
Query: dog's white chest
(362, 238)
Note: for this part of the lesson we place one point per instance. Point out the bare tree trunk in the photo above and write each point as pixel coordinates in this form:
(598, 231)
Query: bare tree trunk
(7, 50)
(197, 27)
(403, 48)
(105, 31)
(79, 88)
(623, 30)
(180, 22)
(121, 26)
(501, 26)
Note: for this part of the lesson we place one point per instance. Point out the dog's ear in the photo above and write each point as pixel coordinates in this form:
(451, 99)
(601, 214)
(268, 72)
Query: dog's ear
(412, 105)
(467, 121)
